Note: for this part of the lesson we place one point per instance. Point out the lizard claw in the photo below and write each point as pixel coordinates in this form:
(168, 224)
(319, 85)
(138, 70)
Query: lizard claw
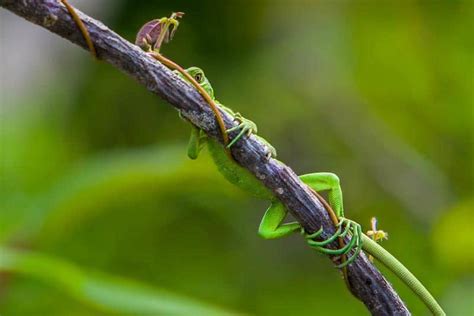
(246, 127)
(356, 241)
(345, 227)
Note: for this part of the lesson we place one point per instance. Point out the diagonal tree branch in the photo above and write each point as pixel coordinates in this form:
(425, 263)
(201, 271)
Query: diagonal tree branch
(364, 280)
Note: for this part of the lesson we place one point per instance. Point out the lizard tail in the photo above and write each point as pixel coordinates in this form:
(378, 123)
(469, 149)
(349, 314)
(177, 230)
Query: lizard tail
(403, 273)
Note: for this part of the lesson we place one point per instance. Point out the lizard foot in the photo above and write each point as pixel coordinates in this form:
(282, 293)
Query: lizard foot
(246, 127)
(344, 227)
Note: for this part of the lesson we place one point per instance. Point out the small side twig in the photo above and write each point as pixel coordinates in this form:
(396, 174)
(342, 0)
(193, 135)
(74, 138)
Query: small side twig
(364, 280)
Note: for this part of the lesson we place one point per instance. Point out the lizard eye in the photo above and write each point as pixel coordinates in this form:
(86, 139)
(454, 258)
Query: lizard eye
(198, 77)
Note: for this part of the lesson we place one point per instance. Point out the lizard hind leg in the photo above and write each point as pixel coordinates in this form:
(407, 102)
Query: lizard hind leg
(324, 181)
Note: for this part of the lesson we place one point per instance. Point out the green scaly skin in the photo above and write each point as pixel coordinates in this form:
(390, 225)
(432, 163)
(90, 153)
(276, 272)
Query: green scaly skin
(272, 224)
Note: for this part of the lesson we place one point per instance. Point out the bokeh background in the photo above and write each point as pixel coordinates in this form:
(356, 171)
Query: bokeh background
(102, 212)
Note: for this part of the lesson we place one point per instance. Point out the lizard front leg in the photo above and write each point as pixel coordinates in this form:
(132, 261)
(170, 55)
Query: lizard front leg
(245, 125)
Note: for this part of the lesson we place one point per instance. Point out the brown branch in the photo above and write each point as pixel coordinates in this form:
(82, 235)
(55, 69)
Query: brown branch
(364, 280)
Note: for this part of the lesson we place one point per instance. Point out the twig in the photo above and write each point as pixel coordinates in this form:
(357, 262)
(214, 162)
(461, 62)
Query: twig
(364, 280)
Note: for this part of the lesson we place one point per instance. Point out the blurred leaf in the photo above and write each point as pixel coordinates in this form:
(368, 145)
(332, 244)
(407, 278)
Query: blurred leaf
(103, 291)
(85, 190)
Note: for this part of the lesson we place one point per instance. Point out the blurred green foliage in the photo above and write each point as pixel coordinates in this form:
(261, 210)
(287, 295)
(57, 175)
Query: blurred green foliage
(94, 176)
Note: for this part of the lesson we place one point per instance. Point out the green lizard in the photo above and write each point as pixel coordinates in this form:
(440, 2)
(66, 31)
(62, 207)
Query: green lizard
(273, 225)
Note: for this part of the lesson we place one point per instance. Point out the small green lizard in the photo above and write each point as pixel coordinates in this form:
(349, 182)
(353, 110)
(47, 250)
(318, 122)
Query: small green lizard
(273, 225)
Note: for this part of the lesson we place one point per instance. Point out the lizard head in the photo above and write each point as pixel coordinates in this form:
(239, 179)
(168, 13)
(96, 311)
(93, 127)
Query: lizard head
(200, 78)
